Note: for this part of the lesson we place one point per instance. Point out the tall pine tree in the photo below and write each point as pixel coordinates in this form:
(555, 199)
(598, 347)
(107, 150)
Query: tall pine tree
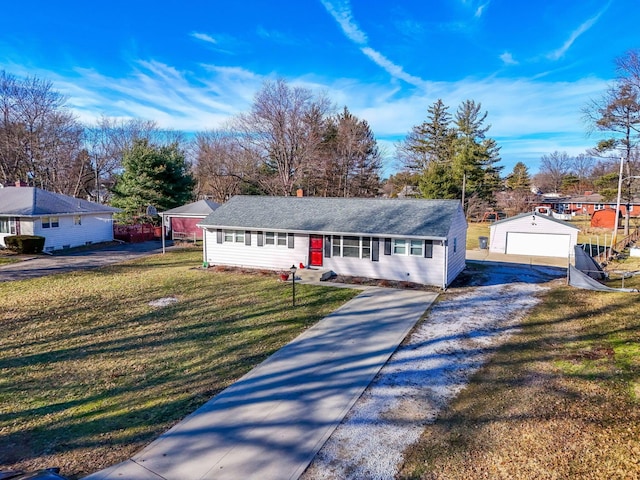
(153, 175)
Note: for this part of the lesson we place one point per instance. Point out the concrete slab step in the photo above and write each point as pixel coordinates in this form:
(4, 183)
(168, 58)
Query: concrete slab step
(313, 274)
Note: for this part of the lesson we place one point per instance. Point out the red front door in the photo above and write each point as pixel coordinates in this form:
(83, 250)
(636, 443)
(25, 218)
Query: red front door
(315, 250)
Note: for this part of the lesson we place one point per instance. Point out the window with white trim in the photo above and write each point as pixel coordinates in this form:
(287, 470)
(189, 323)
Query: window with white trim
(399, 246)
(77, 220)
(7, 225)
(598, 206)
(231, 236)
(366, 247)
(350, 246)
(415, 248)
(277, 239)
(50, 222)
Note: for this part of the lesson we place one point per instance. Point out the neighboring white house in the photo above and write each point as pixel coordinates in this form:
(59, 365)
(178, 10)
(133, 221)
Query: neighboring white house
(422, 241)
(64, 221)
(534, 235)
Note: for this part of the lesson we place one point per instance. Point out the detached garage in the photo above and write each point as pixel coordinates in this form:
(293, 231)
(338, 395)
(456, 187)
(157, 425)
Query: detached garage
(533, 235)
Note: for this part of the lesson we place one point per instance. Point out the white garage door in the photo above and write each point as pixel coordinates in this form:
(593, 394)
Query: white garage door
(538, 244)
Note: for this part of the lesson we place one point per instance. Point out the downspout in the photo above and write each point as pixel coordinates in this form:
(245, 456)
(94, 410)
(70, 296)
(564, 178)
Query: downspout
(162, 232)
(204, 246)
(445, 243)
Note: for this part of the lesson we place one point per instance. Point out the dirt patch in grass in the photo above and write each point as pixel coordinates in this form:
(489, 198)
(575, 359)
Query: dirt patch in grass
(90, 372)
(558, 401)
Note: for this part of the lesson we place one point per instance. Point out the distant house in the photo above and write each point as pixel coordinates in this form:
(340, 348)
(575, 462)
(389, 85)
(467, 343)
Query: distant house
(533, 235)
(64, 221)
(589, 203)
(181, 222)
(422, 241)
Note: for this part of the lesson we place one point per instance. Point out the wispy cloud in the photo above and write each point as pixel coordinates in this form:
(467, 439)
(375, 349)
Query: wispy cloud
(584, 27)
(394, 70)
(521, 112)
(204, 37)
(507, 59)
(480, 10)
(341, 12)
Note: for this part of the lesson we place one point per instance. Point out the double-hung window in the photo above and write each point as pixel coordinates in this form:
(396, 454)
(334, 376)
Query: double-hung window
(415, 248)
(7, 225)
(231, 236)
(351, 247)
(269, 238)
(399, 246)
(50, 222)
(366, 247)
(277, 239)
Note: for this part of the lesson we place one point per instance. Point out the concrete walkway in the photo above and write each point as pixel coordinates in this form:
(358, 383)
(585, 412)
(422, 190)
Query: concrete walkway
(272, 422)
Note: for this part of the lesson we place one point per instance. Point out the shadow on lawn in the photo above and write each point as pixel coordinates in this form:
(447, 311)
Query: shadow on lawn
(111, 389)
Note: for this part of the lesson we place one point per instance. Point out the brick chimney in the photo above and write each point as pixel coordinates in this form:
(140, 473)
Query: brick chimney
(20, 183)
(587, 193)
(299, 193)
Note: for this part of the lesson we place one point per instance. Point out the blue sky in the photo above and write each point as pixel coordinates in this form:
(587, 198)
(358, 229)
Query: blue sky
(192, 65)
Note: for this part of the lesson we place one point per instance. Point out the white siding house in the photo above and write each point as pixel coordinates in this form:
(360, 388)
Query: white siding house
(534, 235)
(64, 221)
(421, 241)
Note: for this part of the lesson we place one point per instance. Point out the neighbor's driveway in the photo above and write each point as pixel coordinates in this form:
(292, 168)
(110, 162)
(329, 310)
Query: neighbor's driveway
(41, 265)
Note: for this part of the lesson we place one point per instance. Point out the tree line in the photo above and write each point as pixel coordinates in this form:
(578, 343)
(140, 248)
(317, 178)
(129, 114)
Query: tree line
(291, 138)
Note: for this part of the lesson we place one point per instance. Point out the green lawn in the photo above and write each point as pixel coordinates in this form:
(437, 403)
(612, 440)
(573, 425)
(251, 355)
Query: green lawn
(90, 373)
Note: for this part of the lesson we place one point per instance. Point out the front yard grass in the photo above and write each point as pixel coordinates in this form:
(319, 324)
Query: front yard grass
(90, 372)
(560, 400)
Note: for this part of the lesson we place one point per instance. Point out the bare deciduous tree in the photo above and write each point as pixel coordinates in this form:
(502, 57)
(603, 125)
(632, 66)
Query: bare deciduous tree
(553, 168)
(39, 138)
(107, 140)
(283, 128)
(223, 167)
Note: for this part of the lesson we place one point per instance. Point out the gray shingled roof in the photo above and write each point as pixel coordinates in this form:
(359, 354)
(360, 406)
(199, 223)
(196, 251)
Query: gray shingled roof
(35, 202)
(201, 208)
(367, 216)
(529, 214)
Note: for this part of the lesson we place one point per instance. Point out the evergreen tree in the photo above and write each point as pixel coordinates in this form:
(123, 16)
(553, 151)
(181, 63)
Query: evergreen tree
(431, 141)
(519, 178)
(452, 154)
(476, 158)
(153, 175)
